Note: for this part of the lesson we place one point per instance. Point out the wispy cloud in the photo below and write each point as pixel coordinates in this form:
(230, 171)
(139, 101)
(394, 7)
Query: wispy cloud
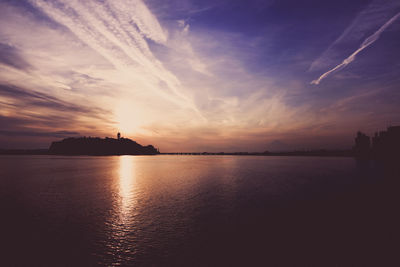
(10, 56)
(117, 30)
(57, 134)
(367, 42)
(37, 99)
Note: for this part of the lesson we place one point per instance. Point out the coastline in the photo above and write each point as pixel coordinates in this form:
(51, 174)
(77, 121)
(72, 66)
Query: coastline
(327, 153)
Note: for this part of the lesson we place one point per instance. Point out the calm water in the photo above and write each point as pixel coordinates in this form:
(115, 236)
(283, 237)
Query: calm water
(191, 210)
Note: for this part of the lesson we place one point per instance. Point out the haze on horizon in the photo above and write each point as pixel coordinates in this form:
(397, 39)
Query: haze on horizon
(190, 75)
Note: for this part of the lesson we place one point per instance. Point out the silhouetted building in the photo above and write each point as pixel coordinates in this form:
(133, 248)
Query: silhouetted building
(386, 144)
(362, 146)
(119, 136)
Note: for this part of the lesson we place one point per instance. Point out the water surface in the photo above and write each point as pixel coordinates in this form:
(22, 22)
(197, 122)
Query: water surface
(190, 210)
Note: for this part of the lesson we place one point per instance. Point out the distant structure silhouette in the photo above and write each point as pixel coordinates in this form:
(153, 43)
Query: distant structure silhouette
(385, 145)
(99, 146)
(362, 146)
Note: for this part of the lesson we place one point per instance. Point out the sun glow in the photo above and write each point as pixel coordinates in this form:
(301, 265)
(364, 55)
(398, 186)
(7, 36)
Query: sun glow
(129, 118)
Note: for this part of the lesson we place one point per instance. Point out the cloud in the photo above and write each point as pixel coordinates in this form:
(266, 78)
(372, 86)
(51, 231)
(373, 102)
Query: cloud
(377, 13)
(20, 129)
(10, 55)
(57, 134)
(367, 42)
(30, 113)
(117, 30)
(372, 17)
(38, 99)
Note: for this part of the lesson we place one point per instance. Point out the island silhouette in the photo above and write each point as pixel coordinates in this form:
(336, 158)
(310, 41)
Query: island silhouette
(100, 146)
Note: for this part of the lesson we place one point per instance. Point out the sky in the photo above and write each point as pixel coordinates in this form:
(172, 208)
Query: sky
(194, 76)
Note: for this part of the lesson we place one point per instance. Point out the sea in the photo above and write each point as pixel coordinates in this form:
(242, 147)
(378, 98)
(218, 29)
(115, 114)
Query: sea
(197, 210)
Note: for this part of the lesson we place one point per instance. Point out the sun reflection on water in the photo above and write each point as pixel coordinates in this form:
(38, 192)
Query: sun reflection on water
(122, 221)
(126, 187)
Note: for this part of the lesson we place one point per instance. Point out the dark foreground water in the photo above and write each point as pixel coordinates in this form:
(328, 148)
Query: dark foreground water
(197, 210)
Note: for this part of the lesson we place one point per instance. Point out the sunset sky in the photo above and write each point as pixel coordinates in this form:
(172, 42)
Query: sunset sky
(192, 75)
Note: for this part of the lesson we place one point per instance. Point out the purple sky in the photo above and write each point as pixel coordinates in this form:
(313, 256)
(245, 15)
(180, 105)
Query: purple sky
(189, 75)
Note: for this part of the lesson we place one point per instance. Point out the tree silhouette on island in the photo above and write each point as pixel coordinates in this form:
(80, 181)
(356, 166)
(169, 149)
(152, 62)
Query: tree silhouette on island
(100, 146)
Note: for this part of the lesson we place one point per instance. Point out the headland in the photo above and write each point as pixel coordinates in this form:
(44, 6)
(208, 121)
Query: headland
(100, 146)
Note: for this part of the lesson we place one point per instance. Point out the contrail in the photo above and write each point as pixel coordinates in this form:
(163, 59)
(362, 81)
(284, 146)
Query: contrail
(367, 42)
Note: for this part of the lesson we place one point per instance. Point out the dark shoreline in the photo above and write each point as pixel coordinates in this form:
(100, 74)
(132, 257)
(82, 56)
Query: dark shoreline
(313, 153)
(319, 153)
